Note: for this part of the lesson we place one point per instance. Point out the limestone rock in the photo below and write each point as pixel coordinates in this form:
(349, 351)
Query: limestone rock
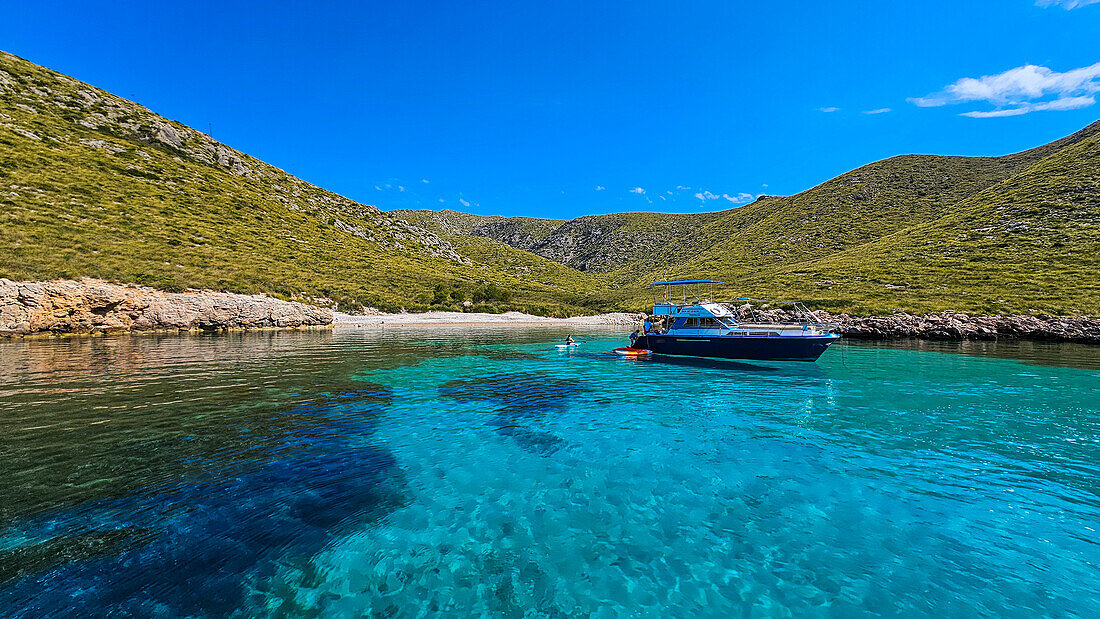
(942, 326)
(95, 306)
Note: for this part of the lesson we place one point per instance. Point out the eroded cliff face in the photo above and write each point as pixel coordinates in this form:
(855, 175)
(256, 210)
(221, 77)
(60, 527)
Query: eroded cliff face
(600, 243)
(96, 306)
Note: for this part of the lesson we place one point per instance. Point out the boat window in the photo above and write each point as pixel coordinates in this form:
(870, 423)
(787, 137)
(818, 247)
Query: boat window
(700, 323)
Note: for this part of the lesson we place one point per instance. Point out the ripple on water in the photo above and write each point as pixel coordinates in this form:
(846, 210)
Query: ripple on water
(192, 488)
(487, 474)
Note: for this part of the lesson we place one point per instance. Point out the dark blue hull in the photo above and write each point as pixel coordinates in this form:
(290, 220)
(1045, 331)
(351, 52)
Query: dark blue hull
(801, 348)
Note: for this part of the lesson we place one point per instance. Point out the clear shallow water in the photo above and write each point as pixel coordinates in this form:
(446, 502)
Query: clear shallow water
(417, 473)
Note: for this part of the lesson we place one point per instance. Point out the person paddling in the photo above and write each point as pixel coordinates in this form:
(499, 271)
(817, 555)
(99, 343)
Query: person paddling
(569, 340)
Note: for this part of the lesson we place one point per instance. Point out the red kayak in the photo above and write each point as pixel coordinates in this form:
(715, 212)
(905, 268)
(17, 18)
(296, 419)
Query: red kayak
(630, 351)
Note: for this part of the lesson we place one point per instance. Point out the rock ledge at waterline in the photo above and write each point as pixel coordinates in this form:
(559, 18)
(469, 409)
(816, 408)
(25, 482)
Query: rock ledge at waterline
(947, 326)
(96, 306)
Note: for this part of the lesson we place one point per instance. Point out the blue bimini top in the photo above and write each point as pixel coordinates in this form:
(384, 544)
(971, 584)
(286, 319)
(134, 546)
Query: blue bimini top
(686, 281)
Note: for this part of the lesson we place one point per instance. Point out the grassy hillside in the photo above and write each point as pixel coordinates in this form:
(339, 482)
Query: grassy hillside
(600, 243)
(608, 243)
(519, 232)
(852, 209)
(462, 232)
(1029, 243)
(917, 232)
(95, 185)
(1013, 234)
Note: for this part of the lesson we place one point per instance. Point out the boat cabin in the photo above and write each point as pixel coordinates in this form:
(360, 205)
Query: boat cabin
(694, 313)
(696, 326)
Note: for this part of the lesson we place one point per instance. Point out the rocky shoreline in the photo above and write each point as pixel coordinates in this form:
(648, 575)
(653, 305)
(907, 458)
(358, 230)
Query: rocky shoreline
(955, 326)
(94, 306)
(91, 306)
(614, 319)
(947, 326)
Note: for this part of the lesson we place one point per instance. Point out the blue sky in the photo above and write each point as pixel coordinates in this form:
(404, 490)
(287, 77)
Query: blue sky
(572, 108)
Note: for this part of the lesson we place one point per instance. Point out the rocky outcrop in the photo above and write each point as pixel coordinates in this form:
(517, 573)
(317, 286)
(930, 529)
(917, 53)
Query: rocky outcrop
(954, 326)
(519, 232)
(599, 243)
(95, 306)
(602, 243)
(945, 325)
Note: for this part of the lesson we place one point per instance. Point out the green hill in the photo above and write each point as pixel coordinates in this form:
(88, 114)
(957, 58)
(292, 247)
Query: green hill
(1029, 243)
(519, 232)
(861, 241)
(95, 185)
(600, 243)
(852, 209)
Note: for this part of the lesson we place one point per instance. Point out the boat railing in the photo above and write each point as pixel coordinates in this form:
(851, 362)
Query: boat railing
(665, 303)
(803, 315)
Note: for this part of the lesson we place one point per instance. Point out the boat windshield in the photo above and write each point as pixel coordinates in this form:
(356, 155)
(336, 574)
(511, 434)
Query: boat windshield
(708, 322)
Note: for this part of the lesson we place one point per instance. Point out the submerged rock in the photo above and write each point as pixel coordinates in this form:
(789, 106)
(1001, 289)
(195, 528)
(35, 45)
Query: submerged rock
(96, 306)
(523, 398)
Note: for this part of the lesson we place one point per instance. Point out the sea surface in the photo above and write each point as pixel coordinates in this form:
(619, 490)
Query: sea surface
(482, 472)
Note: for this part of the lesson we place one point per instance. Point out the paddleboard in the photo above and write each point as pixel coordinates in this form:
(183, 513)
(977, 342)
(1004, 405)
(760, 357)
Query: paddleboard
(565, 345)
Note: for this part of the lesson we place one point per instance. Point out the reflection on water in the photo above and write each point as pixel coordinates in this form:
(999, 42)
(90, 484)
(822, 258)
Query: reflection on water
(153, 473)
(482, 471)
(1066, 355)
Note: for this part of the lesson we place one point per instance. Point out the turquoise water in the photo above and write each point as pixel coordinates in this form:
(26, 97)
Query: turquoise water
(483, 472)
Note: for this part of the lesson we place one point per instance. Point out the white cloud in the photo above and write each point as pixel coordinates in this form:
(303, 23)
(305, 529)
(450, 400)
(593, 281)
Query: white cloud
(424, 180)
(996, 113)
(1030, 88)
(400, 188)
(741, 198)
(1065, 103)
(377, 188)
(637, 190)
(1057, 105)
(1065, 4)
(600, 187)
(828, 110)
(463, 202)
(881, 110)
(765, 184)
